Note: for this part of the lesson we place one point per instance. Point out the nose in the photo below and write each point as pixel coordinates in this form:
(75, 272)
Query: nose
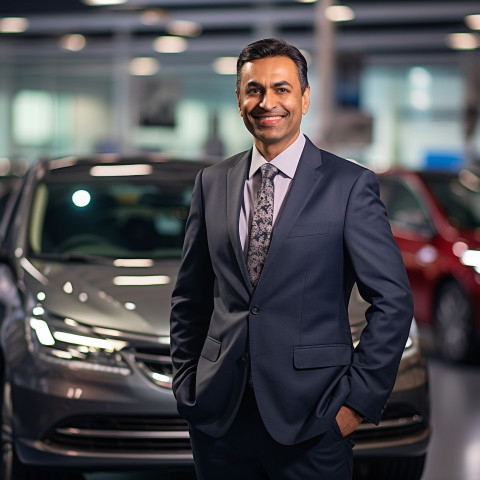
(268, 100)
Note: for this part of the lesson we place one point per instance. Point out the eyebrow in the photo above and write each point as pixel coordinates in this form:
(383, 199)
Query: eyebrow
(281, 83)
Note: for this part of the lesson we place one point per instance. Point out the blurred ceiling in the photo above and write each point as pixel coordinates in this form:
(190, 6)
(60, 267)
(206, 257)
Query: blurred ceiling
(390, 32)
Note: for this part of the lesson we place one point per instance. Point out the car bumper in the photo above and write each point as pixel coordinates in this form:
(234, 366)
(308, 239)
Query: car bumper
(404, 430)
(87, 420)
(90, 420)
(109, 434)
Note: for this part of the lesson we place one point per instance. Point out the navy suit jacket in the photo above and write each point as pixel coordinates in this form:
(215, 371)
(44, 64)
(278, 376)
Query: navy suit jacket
(293, 328)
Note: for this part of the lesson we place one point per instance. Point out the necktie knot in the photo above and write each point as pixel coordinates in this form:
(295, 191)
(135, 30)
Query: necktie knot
(268, 171)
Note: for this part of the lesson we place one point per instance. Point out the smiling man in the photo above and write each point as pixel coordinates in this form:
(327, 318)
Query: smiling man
(264, 367)
(271, 101)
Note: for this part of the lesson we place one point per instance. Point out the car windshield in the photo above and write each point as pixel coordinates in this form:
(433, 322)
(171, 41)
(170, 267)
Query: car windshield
(459, 197)
(109, 218)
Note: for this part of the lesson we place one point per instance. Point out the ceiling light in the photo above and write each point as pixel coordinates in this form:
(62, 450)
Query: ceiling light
(125, 280)
(133, 262)
(74, 42)
(143, 66)
(13, 24)
(153, 16)
(184, 28)
(120, 170)
(339, 13)
(306, 1)
(463, 41)
(97, 3)
(420, 77)
(170, 44)
(473, 21)
(225, 65)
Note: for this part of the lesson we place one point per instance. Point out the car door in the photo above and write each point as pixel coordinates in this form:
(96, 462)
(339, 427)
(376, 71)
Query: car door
(415, 234)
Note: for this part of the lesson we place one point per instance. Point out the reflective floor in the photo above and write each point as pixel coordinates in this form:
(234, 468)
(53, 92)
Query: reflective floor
(454, 452)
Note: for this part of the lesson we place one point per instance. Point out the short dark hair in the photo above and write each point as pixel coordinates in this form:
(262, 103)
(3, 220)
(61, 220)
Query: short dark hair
(272, 47)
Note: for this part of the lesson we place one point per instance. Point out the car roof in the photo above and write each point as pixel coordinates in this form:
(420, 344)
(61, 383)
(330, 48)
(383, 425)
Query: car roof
(427, 173)
(154, 166)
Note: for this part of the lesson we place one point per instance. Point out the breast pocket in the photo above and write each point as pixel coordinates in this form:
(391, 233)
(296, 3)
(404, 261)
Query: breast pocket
(310, 229)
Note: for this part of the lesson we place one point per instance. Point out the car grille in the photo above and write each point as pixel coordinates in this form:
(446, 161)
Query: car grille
(155, 363)
(397, 421)
(121, 433)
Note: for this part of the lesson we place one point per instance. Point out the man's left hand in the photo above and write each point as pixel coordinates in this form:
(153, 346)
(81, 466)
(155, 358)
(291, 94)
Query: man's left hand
(348, 420)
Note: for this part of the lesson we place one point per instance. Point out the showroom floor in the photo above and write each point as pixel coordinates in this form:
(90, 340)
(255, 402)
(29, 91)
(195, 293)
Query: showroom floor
(454, 452)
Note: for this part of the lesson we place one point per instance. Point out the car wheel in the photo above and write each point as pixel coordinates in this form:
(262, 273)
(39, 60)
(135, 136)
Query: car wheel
(453, 319)
(391, 469)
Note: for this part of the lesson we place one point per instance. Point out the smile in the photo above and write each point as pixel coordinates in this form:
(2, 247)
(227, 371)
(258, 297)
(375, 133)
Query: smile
(270, 119)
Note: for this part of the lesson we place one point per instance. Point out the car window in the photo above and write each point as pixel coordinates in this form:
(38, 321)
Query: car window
(111, 218)
(459, 196)
(10, 209)
(404, 208)
(7, 184)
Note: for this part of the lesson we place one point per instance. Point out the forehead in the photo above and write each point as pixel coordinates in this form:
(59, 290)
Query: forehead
(269, 69)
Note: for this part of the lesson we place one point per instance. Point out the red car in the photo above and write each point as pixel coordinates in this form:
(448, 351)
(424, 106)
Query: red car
(435, 217)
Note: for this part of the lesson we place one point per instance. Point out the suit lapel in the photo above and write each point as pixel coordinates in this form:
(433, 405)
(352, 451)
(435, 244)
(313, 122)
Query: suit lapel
(307, 179)
(236, 177)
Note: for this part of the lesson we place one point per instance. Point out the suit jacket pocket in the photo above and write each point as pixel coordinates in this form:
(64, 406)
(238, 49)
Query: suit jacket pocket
(310, 229)
(211, 349)
(319, 356)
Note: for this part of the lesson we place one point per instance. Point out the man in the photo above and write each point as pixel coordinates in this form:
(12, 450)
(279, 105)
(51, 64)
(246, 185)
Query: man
(264, 367)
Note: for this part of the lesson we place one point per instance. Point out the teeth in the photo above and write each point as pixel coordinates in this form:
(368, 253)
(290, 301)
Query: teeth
(271, 118)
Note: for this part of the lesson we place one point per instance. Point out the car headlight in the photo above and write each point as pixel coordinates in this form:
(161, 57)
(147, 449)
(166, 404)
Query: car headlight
(413, 341)
(471, 258)
(66, 342)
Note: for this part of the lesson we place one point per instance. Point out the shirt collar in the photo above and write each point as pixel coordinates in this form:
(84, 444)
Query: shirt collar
(286, 161)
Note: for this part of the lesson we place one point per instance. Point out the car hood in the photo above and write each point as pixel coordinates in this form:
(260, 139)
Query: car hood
(104, 295)
(88, 293)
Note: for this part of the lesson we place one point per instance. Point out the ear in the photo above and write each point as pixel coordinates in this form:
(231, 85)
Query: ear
(238, 103)
(306, 100)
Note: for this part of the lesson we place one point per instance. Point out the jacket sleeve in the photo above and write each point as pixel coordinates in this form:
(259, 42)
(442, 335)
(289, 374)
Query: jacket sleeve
(192, 298)
(382, 281)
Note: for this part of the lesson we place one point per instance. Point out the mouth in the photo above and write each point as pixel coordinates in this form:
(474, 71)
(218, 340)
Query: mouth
(268, 120)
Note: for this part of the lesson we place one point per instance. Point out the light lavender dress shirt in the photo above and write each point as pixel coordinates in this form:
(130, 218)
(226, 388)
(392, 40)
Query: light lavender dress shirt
(287, 163)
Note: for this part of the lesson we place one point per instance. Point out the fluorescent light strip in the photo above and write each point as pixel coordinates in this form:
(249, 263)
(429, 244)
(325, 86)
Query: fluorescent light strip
(13, 24)
(97, 3)
(120, 170)
(133, 262)
(141, 280)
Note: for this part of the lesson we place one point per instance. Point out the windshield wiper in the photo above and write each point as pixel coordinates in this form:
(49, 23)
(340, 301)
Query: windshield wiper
(73, 257)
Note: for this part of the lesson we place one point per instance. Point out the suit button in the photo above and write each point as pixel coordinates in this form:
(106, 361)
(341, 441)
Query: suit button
(245, 357)
(255, 310)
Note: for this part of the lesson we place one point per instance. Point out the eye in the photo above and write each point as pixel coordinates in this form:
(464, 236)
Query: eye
(282, 90)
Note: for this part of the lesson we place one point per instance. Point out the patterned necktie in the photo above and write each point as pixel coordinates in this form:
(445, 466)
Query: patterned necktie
(262, 224)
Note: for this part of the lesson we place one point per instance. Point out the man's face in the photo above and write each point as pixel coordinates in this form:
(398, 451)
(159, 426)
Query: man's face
(271, 102)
